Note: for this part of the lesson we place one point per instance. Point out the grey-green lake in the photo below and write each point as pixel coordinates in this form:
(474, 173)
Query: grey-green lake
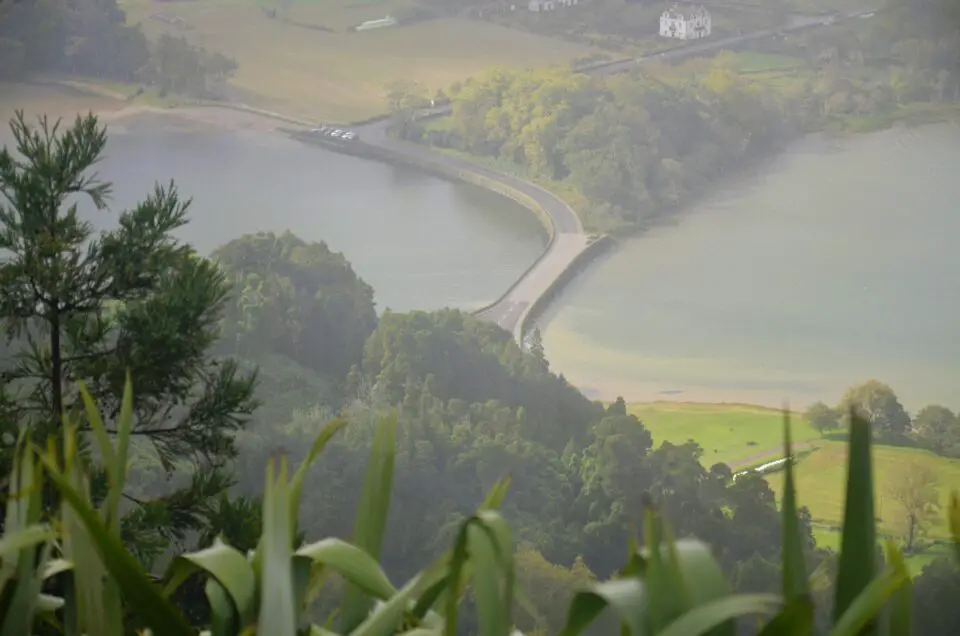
(836, 263)
(420, 241)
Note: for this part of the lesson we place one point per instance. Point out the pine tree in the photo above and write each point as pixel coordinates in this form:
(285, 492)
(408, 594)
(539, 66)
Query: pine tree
(84, 305)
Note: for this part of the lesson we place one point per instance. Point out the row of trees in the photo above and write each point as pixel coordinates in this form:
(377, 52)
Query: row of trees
(934, 427)
(91, 38)
(291, 323)
(632, 145)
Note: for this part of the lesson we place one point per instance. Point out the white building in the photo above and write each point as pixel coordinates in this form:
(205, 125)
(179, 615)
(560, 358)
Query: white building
(550, 5)
(685, 22)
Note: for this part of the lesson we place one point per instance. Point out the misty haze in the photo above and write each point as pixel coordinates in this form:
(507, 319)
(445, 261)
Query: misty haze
(479, 317)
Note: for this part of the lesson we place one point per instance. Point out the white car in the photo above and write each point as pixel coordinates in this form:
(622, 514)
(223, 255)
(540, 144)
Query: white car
(349, 135)
(336, 133)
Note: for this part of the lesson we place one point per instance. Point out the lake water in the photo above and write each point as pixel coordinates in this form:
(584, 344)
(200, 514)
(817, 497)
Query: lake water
(420, 241)
(837, 263)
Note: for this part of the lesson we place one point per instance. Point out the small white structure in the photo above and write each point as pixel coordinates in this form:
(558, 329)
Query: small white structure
(376, 24)
(685, 22)
(550, 5)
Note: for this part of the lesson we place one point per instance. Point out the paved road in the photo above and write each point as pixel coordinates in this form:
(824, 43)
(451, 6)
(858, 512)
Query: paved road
(569, 238)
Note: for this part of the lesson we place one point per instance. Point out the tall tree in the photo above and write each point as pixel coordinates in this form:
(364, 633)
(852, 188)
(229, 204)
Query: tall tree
(821, 417)
(878, 404)
(915, 491)
(80, 305)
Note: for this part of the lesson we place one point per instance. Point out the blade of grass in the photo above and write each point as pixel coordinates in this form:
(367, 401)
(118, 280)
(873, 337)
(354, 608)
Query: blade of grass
(278, 610)
(296, 484)
(487, 585)
(794, 572)
(224, 564)
(954, 520)
(224, 620)
(624, 596)
(353, 564)
(856, 565)
(146, 601)
(387, 618)
(13, 542)
(669, 596)
(372, 512)
(22, 607)
(704, 618)
(899, 616)
(796, 619)
(862, 612)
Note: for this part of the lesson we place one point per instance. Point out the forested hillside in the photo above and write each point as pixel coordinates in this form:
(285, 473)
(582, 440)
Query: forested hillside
(89, 38)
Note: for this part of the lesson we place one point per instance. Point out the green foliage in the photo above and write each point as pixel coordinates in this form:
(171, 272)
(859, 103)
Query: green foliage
(93, 305)
(93, 39)
(295, 299)
(667, 587)
(631, 145)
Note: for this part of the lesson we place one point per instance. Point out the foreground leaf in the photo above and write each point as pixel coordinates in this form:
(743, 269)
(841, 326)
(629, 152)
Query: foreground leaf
(856, 566)
(145, 599)
(371, 521)
(704, 618)
(624, 596)
(794, 574)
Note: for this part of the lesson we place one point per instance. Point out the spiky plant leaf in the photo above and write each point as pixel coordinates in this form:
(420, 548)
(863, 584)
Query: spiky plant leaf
(859, 539)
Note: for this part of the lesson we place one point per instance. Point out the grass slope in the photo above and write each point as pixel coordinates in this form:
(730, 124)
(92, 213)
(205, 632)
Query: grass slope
(726, 431)
(735, 434)
(308, 63)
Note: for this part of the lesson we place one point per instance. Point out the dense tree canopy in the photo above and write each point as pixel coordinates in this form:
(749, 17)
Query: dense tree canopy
(631, 145)
(91, 38)
(296, 299)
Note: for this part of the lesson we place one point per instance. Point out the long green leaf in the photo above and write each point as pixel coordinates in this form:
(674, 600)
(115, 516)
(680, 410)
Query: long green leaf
(353, 564)
(224, 620)
(225, 564)
(387, 618)
(278, 608)
(487, 584)
(666, 585)
(899, 616)
(954, 520)
(372, 512)
(794, 572)
(22, 607)
(13, 542)
(862, 612)
(859, 540)
(146, 601)
(97, 609)
(703, 618)
(624, 596)
(796, 619)
(299, 477)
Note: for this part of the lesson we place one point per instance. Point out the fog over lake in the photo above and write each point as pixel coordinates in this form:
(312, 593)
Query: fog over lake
(420, 241)
(835, 264)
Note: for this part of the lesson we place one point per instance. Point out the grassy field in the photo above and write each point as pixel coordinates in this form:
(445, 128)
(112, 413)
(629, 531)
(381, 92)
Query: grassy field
(821, 475)
(735, 434)
(55, 102)
(739, 435)
(307, 63)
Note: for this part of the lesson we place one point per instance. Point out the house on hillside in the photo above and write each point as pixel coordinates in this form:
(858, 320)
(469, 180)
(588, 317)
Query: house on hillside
(550, 5)
(685, 22)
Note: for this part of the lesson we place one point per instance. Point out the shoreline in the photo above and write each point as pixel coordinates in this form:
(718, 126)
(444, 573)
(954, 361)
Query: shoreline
(240, 118)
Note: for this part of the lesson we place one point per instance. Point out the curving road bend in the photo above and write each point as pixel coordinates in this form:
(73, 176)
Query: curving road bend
(569, 238)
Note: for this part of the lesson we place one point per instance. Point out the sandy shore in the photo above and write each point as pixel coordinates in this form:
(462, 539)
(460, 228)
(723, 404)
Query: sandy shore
(225, 117)
(65, 99)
